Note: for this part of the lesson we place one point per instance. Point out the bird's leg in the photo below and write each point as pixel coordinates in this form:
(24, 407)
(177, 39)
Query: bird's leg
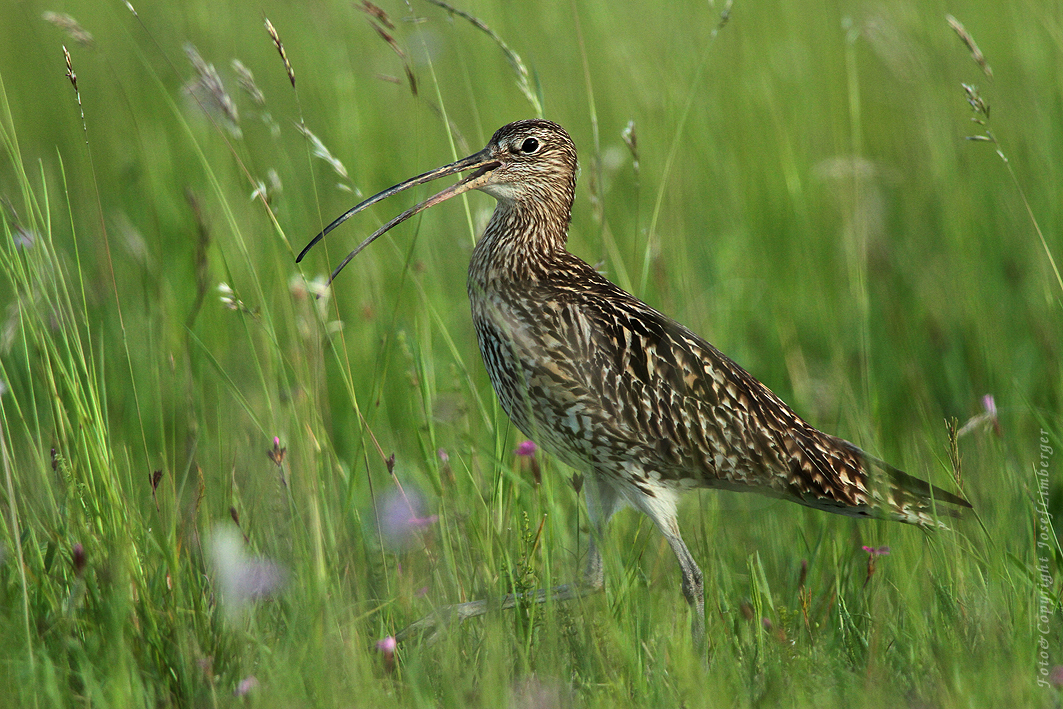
(693, 583)
(602, 501)
(661, 508)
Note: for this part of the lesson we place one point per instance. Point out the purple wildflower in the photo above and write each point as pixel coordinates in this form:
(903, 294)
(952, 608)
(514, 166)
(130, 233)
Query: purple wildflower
(241, 578)
(246, 685)
(78, 559)
(401, 518)
(24, 238)
(987, 418)
(387, 649)
(872, 554)
(526, 449)
(278, 453)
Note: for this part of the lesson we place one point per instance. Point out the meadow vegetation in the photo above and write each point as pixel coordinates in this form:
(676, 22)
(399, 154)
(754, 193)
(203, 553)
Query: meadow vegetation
(219, 489)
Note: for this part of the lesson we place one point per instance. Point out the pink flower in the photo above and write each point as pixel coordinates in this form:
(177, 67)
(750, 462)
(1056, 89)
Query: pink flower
(241, 578)
(246, 685)
(872, 554)
(991, 412)
(987, 418)
(277, 454)
(387, 648)
(526, 449)
(401, 518)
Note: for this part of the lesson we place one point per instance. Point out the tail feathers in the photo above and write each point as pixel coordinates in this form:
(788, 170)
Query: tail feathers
(923, 489)
(905, 497)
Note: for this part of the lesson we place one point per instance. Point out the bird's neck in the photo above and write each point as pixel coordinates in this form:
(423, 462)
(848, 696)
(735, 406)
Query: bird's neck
(520, 242)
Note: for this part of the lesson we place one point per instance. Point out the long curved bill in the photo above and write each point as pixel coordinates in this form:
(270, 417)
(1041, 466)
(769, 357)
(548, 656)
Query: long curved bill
(481, 162)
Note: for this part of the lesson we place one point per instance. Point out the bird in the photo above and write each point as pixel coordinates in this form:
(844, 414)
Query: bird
(642, 405)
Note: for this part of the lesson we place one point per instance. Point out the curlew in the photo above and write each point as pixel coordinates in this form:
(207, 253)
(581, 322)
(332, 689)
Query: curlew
(641, 404)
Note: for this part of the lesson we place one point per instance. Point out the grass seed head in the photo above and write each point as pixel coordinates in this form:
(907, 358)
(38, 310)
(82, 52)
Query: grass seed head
(208, 89)
(280, 50)
(71, 26)
(246, 79)
(969, 42)
(377, 13)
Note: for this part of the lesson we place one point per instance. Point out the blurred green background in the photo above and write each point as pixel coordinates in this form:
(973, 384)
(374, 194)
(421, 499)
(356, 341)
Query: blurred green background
(794, 184)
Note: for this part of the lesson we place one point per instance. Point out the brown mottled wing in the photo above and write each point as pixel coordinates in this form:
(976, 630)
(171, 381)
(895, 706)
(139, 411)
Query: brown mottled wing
(633, 391)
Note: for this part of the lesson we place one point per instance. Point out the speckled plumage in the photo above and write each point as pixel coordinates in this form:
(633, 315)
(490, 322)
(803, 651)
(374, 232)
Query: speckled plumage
(612, 387)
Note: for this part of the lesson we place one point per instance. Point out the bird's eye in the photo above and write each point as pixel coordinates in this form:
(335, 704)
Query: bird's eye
(529, 146)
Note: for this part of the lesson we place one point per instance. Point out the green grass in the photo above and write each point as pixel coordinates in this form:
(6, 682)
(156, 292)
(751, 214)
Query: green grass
(804, 197)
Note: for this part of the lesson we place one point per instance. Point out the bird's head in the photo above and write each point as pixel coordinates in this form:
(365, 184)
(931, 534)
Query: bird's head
(530, 163)
(536, 161)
